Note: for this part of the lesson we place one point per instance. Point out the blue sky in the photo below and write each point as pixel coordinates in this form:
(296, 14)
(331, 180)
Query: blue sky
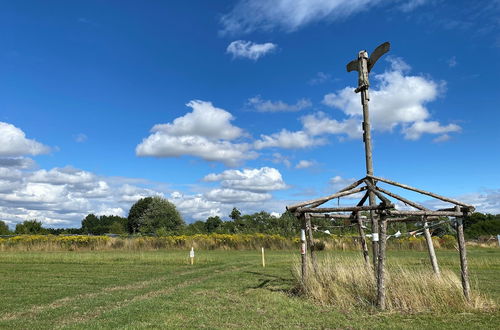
(221, 104)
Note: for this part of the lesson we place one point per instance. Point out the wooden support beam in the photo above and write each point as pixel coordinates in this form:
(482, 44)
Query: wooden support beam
(426, 213)
(381, 263)
(406, 219)
(364, 246)
(402, 199)
(310, 241)
(430, 248)
(464, 269)
(330, 216)
(303, 248)
(446, 199)
(345, 209)
(319, 201)
(352, 185)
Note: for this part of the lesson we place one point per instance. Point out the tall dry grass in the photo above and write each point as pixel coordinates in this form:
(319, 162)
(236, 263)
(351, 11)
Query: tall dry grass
(349, 283)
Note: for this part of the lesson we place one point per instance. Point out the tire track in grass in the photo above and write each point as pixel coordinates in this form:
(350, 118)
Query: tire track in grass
(84, 317)
(37, 309)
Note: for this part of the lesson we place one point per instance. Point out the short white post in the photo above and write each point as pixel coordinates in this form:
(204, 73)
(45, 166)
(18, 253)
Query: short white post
(263, 258)
(191, 255)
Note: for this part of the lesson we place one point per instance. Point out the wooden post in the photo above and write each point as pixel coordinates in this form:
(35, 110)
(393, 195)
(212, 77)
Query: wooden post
(263, 258)
(463, 257)
(361, 231)
(303, 249)
(430, 247)
(381, 263)
(310, 241)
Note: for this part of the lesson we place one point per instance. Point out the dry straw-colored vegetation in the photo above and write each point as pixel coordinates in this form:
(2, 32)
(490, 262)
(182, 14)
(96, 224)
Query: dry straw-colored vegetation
(348, 283)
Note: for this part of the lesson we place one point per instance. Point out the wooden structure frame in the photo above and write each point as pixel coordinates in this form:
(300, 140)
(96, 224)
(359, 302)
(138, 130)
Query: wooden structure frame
(381, 204)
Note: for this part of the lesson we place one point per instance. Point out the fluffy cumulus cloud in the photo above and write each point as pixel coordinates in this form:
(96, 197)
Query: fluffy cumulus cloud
(62, 196)
(277, 106)
(249, 189)
(255, 180)
(319, 124)
(206, 132)
(289, 15)
(13, 142)
(397, 99)
(249, 49)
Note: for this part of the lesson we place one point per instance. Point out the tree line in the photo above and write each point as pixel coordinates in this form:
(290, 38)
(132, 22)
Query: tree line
(158, 216)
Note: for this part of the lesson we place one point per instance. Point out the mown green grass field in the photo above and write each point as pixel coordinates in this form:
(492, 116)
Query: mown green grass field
(223, 289)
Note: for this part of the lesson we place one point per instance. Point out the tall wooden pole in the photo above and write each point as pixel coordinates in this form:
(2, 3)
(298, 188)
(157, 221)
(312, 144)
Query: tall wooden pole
(381, 263)
(430, 247)
(361, 231)
(363, 85)
(464, 269)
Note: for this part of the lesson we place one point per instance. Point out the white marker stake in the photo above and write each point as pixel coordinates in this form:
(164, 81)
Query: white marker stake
(191, 255)
(263, 259)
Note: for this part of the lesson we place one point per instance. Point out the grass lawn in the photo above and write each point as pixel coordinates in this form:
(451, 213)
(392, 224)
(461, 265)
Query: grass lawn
(224, 289)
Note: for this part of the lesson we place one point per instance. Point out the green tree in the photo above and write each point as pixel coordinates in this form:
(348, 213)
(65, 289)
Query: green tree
(160, 214)
(235, 214)
(30, 227)
(136, 212)
(90, 224)
(212, 224)
(4, 229)
(197, 227)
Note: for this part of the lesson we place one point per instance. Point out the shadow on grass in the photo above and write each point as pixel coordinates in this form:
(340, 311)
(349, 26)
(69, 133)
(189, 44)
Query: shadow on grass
(274, 283)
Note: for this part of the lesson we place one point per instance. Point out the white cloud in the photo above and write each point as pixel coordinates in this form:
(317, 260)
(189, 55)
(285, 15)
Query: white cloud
(442, 138)
(318, 124)
(281, 159)
(304, 164)
(249, 49)
(205, 120)
(396, 99)
(319, 78)
(250, 180)
(277, 106)
(418, 128)
(288, 140)
(233, 196)
(289, 15)
(206, 132)
(13, 142)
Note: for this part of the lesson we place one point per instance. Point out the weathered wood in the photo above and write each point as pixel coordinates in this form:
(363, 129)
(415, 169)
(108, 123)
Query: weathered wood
(402, 199)
(372, 188)
(364, 246)
(319, 201)
(406, 219)
(303, 248)
(426, 213)
(345, 209)
(381, 263)
(331, 216)
(446, 199)
(430, 248)
(310, 241)
(464, 269)
(352, 185)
